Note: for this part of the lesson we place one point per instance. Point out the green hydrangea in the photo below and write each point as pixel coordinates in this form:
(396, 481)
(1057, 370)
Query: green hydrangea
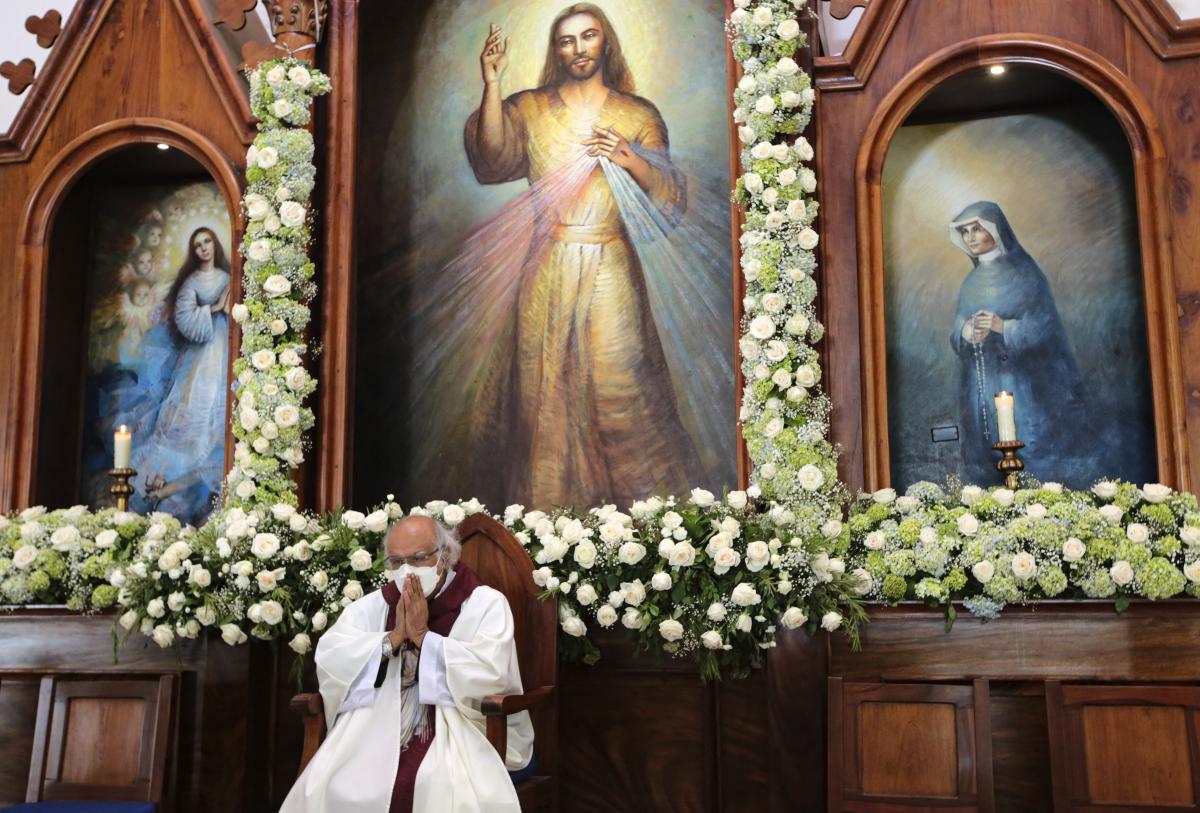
(909, 531)
(1003, 587)
(894, 588)
(52, 563)
(900, 562)
(105, 595)
(1134, 553)
(930, 588)
(1161, 579)
(1052, 580)
(955, 580)
(1098, 584)
(39, 581)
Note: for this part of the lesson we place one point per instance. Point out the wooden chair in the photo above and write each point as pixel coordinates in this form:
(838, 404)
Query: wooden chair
(501, 563)
(1124, 748)
(902, 748)
(100, 741)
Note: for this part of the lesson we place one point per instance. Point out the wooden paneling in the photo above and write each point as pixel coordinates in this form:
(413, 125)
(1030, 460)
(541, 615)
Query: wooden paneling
(18, 716)
(1020, 749)
(908, 749)
(102, 740)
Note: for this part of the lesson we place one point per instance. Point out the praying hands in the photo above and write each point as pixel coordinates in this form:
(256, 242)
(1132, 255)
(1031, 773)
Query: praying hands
(980, 324)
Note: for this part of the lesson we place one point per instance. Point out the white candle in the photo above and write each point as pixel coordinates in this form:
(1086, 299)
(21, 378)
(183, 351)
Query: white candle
(122, 445)
(1006, 423)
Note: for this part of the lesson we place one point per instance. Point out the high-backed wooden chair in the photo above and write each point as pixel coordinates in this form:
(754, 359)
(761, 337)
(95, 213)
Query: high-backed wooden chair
(101, 741)
(503, 564)
(897, 747)
(1118, 748)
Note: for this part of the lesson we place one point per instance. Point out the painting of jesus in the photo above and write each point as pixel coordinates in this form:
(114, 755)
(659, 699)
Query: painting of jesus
(584, 326)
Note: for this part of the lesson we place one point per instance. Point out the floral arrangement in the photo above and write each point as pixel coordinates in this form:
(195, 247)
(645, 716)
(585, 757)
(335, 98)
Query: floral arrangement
(710, 579)
(271, 416)
(992, 548)
(784, 413)
(69, 556)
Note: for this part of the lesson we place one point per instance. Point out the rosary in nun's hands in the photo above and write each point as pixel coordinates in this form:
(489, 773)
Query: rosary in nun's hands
(984, 322)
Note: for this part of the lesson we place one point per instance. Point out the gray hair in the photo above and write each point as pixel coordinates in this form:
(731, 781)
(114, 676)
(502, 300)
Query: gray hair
(449, 547)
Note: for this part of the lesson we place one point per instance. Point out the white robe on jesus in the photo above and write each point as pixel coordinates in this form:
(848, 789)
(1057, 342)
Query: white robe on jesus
(355, 768)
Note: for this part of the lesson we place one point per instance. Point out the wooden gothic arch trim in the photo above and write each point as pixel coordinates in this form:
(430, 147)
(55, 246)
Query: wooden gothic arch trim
(1159, 24)
(1137, 120)
(32, 266)
(85, 23)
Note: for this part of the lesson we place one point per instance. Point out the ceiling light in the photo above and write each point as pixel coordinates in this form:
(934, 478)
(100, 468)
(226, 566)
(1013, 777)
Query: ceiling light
(996, 70)
(164, 146)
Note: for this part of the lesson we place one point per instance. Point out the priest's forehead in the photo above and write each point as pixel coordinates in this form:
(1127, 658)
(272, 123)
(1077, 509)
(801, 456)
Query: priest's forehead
(412, 535)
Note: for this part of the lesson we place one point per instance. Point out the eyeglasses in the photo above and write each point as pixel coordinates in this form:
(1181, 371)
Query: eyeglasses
(416, 560)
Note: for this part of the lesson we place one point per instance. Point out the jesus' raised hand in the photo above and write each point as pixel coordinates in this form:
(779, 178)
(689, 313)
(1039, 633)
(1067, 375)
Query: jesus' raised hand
(494, 57)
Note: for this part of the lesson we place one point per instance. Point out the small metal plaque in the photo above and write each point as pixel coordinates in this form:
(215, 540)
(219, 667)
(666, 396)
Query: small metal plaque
(942, 434)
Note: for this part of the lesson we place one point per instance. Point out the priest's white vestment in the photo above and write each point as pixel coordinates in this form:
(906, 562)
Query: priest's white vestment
(354, 770)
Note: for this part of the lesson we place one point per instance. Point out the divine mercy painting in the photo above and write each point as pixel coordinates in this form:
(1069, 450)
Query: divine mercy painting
(997, 280)
(546, 298)
(158, 345)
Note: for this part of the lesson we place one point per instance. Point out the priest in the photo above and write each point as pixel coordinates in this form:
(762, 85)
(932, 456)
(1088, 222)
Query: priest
(402, 674)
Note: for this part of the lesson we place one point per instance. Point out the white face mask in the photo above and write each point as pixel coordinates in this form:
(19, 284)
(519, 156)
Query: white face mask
(428, 575)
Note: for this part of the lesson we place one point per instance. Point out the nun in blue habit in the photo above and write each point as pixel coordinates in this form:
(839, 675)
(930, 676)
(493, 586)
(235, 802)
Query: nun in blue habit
(1008, 335)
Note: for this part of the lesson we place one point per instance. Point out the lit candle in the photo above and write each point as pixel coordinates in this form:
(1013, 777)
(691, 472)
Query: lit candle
(122, 444)
(1006, 423)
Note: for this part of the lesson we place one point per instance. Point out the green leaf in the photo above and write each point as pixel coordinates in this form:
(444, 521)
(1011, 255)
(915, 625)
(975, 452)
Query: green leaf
(951, 614)
(1122, 604)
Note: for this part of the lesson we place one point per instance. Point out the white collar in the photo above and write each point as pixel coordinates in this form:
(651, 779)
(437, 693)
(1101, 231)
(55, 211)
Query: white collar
(449, 578)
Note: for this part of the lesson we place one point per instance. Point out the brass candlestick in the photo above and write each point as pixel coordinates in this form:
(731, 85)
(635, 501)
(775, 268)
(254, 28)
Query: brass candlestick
(121, 489)
(1009, 465)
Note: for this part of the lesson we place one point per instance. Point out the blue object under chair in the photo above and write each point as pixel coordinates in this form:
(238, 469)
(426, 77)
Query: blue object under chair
(521, 775)
(83, 807)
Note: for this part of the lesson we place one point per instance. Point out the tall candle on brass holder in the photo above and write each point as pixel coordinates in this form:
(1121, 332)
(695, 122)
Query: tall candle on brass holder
(120, 472)
(1007, 444)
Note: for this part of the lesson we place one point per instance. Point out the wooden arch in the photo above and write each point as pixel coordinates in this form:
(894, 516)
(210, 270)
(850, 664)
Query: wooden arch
(1137, 120)
(70, 165)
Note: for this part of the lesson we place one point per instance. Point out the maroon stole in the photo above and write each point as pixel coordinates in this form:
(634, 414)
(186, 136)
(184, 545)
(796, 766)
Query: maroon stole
(443, 612)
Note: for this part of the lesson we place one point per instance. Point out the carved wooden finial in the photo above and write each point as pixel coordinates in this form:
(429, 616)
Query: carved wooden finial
(46, 28)
(233, 13)
(304, 17)
(840, 9)
(256, 52)
(19, 76)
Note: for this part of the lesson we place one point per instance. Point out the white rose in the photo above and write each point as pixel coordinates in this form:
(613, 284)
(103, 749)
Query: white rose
(790, 98)
(1112, 513)
(763, 15)
(269, 430)
(268, 157)
(744, 595)
(796, 210)
(746, 134)
(553, 549)
(786, 177)
(632, 619)
(1024, 566)
(774, 302)
(360, 560)
(787, 66)
(748, 84)
(266, 580)
(249, 419)
(739, 17)
(968, 524)
(319, 580)
(765, 104)
(292, 214)
(24, 557)
(983, 571)
(287, 415)
(264, 546)
(808, 180)
(277, 285)
(300, 643)
(1004, 496)
(884, 496)
(163, 635)
(831, 621)
(1155, 492)
(352, 591)
(206, 615)
(1105, 489)
(633, 593)
(865, 582)
(761, 151)
(753, 182)
(1192, 571)
(200, 577)
(743, 623)
(811, 477)
(1073, 549)
(806, 374)
(272, 224)
(736, 499)
(585, 554)
(263, 359)
(168, 561)
(300, 76)
(276, 74)
(272, 612)
(1137, 532)
(573, 625)
(970, 495)
(773, 427)
(278, 327)
(682, 555)
(129, 620)
(781, 153)
(757, 556)
(106, 539)
(301, 551)
(712, 640)
(257, 207)
(259, 250)
(831, 529)
(725, 559)
(788, 30)
(906, 504)
(376, 521)
(793, 617)
(702, 497)
(1190, 536)
(1121, 572)
(631, 553)
(232, 634)
(762, 327)
(586, 594)
(670, 630)
(874, 540)
(156, 608)
(453, 514)
(353, 519)
(319, 621)
(808, 239)
(1035, 511)
(777, 351)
